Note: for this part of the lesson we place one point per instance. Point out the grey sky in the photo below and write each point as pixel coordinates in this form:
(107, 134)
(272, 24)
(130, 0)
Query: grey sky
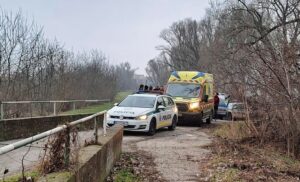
(125, 30)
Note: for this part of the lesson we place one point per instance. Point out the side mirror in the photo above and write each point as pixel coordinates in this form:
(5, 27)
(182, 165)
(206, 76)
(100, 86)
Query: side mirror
(205, 98)
(161, 107)
(116, 104)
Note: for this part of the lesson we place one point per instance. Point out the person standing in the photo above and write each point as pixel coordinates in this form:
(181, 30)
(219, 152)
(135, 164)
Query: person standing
(216, 104)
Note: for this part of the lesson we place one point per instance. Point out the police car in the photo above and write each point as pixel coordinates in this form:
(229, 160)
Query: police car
(144, 113)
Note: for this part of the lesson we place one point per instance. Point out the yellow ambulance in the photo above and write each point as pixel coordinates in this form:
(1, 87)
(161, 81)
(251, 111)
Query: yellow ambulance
(193, 93)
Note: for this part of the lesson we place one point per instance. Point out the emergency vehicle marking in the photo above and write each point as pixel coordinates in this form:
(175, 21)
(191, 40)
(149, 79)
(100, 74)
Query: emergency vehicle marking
(124, 112)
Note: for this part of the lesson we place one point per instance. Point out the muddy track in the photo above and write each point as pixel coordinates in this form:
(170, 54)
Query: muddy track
(177, 155)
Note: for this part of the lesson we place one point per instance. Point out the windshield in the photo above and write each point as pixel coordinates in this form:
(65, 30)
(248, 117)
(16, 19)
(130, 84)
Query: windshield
(138, 101)
(183, 90)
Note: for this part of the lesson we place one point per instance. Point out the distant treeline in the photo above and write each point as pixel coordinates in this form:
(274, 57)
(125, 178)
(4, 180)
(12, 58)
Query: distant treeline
(35, 68)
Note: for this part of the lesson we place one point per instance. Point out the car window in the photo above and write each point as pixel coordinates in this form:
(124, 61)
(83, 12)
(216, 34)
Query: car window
(160, 102)
(166, 100)
(238, 106)
(171, 101)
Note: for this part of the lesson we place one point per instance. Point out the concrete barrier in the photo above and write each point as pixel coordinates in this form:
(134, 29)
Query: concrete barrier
(95, 161)
(26, 127)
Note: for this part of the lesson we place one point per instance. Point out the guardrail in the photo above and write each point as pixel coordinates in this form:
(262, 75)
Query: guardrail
(67, 127)
(51, 101)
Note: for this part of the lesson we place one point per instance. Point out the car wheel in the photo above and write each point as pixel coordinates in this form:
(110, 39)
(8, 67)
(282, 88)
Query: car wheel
(152, 128)
(174, 123)
(229, 116)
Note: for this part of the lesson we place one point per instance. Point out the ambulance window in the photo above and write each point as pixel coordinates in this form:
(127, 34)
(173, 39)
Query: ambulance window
(209, 90)
(204, 90)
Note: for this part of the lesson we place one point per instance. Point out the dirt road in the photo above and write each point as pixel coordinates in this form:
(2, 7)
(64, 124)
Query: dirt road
(177, 154)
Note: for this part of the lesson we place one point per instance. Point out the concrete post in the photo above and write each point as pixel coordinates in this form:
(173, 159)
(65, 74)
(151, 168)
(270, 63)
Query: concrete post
(2, 111)
(54, 108)
(104, 123)
(96, 130)
(67, 149)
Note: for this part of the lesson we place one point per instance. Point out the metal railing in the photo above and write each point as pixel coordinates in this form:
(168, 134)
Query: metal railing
(66, 127)
(54, 102)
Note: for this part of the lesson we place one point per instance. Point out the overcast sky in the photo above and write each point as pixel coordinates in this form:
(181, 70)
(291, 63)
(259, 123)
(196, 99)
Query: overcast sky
(125, 30)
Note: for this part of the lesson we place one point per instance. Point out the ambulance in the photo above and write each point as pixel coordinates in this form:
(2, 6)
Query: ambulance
(193, 93)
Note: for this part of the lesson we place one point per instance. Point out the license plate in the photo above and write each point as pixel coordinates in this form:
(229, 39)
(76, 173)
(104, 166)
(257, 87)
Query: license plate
(121, 123)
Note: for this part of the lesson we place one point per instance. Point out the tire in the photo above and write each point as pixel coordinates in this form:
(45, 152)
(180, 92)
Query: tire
(208, 120)
(229, 116)
(174, 124)
(200, 121)
(152, 128)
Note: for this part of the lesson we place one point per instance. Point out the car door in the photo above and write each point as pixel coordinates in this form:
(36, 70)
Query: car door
(161, 113)
(168, 111)
(206, 110)
(240, 111)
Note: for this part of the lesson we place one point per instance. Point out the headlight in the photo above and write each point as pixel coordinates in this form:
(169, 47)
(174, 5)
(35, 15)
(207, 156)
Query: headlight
(143, 117)
(175, 109)
(194, 105)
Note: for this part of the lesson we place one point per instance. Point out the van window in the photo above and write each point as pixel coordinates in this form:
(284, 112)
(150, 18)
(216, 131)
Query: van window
(204, 91)
(209, 90)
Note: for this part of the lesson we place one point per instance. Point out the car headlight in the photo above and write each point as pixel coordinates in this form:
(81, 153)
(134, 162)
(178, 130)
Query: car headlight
(175, 109)
(194, 105)
(143, 117)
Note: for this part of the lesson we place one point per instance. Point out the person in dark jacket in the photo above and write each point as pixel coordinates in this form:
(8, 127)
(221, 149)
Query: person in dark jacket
(216, 104)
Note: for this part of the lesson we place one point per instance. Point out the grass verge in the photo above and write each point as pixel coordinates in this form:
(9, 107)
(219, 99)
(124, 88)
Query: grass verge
(125, 176)
(99, 107)
(135, 167)
(18, 177)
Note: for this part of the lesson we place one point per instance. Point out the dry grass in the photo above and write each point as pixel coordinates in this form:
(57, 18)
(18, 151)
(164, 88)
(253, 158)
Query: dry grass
(237, 156)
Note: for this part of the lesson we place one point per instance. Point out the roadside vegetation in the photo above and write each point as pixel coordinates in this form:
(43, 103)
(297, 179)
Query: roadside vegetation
(135, 167)
(18, 177)
(100, 107)
(238, 156)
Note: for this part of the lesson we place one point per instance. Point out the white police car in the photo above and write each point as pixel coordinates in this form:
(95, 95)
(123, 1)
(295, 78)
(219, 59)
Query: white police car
(145, 113)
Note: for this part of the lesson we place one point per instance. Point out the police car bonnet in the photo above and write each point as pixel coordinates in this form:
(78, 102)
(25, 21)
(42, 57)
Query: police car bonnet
(129, 111)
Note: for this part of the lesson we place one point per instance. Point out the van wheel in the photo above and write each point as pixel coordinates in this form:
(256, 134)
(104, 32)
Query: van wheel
(200, 120)
(174, 123)
(152, 128)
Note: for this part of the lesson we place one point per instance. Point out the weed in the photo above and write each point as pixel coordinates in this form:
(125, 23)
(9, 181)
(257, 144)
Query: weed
(126, 176)
(17, 177)
(233, 131)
